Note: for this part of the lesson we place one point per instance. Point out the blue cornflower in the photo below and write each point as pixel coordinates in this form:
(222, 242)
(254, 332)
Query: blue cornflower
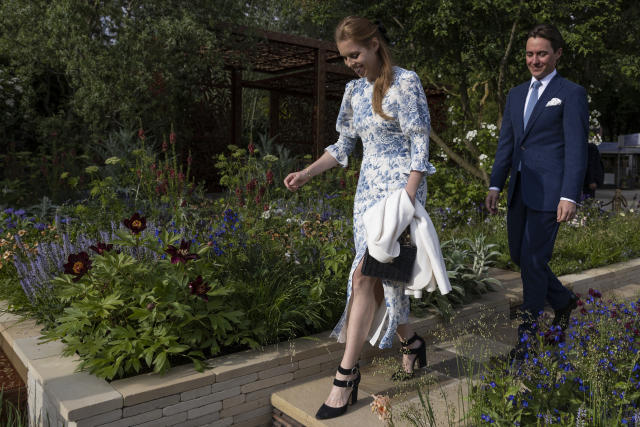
(492, 384)
(525, 404)
(9, 211)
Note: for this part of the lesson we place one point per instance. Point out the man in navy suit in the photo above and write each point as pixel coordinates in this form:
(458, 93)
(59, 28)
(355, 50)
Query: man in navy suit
(543, 148)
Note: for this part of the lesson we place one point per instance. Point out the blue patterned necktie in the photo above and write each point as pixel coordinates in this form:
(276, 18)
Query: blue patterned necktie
(532, 101)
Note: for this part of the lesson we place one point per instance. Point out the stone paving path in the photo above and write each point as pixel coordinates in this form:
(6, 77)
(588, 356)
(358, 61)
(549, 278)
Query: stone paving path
(453, 360)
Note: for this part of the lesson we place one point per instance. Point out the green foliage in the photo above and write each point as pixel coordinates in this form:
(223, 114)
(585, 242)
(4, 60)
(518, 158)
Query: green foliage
(586, 377)
(128, 315)
(468, 263)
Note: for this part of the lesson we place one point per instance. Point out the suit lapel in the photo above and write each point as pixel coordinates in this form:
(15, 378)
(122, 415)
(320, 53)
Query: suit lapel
(554, 86)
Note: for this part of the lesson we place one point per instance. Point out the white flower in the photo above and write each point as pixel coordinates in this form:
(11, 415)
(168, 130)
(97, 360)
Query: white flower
(266, 214)
(471, 134)
(453, 123)
(483, 157)
(450, 109)
(491, 126)
(112, 161)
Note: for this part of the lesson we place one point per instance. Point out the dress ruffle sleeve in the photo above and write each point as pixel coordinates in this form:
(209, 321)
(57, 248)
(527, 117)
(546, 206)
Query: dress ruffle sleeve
(415, 122)
(344, 126)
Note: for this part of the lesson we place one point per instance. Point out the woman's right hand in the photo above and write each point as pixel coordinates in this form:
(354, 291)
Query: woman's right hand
(295, 180)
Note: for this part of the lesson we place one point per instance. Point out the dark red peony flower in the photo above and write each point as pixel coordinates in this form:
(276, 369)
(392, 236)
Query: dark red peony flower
(101, 248)
(181, 254)
(269, 177)
(136, 223)
(594, 293)
(77, 265)
(199, 288)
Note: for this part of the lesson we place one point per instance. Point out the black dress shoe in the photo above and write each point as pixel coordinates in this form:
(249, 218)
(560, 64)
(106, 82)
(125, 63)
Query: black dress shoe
(562, 315)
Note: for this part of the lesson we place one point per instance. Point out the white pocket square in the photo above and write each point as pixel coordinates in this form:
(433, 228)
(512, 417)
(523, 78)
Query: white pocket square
(553, 102)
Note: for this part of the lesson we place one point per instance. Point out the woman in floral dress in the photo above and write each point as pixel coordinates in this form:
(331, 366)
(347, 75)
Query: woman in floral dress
(387, 109)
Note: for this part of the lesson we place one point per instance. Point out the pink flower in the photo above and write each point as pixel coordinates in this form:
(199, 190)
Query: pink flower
(251, 148)
(141, 134)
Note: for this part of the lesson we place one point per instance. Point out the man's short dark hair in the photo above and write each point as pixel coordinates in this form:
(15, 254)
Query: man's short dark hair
(549, 32)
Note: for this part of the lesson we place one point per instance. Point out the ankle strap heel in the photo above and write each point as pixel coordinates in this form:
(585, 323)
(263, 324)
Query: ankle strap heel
(326, 412)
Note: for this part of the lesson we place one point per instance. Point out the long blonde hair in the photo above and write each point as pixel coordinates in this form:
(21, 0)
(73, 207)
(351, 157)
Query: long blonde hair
(362, 31)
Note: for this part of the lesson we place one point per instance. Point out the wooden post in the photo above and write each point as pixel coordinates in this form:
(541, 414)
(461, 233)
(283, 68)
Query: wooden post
(274, 113)
(236, 107)
(319, 101)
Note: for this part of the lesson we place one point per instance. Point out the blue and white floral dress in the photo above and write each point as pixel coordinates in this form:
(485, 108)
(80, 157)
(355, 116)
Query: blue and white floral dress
(391, 149)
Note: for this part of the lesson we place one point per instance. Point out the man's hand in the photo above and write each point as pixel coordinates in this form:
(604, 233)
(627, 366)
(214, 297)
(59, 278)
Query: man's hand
(566, 211)
(491, 202)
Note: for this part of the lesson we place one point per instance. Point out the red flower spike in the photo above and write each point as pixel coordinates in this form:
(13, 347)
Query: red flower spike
(172, 138)
(136, 223)
(141, 134)
(251, 148)
(181, 254)
(164, 146)
(199, 288)
(100, 248)
(77, 265)
(269, 177)
(251, 185)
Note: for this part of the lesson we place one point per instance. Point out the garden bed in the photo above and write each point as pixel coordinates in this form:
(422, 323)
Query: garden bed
(235, 391)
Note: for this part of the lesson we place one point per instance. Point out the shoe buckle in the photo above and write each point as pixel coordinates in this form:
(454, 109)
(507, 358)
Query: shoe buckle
(349, 383)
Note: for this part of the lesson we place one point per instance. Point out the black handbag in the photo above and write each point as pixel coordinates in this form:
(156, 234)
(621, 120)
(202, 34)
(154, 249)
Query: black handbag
(399, 269)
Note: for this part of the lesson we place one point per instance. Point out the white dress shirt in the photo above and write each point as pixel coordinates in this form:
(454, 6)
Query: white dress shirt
(543, 85)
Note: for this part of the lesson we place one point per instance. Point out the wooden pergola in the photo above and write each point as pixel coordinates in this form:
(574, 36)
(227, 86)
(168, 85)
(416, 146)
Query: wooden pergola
(298, 66)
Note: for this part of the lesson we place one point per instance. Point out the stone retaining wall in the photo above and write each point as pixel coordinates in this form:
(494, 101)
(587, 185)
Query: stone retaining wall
(235, 391)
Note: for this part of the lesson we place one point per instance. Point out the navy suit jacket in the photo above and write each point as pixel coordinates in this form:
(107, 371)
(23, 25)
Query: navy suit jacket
(552, 150)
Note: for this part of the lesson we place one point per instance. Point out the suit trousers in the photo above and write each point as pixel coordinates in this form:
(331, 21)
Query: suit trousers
(532, 235)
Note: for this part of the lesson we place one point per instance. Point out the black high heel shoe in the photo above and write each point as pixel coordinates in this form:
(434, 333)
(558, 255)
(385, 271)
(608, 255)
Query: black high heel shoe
(421, 358)
(325, 412)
